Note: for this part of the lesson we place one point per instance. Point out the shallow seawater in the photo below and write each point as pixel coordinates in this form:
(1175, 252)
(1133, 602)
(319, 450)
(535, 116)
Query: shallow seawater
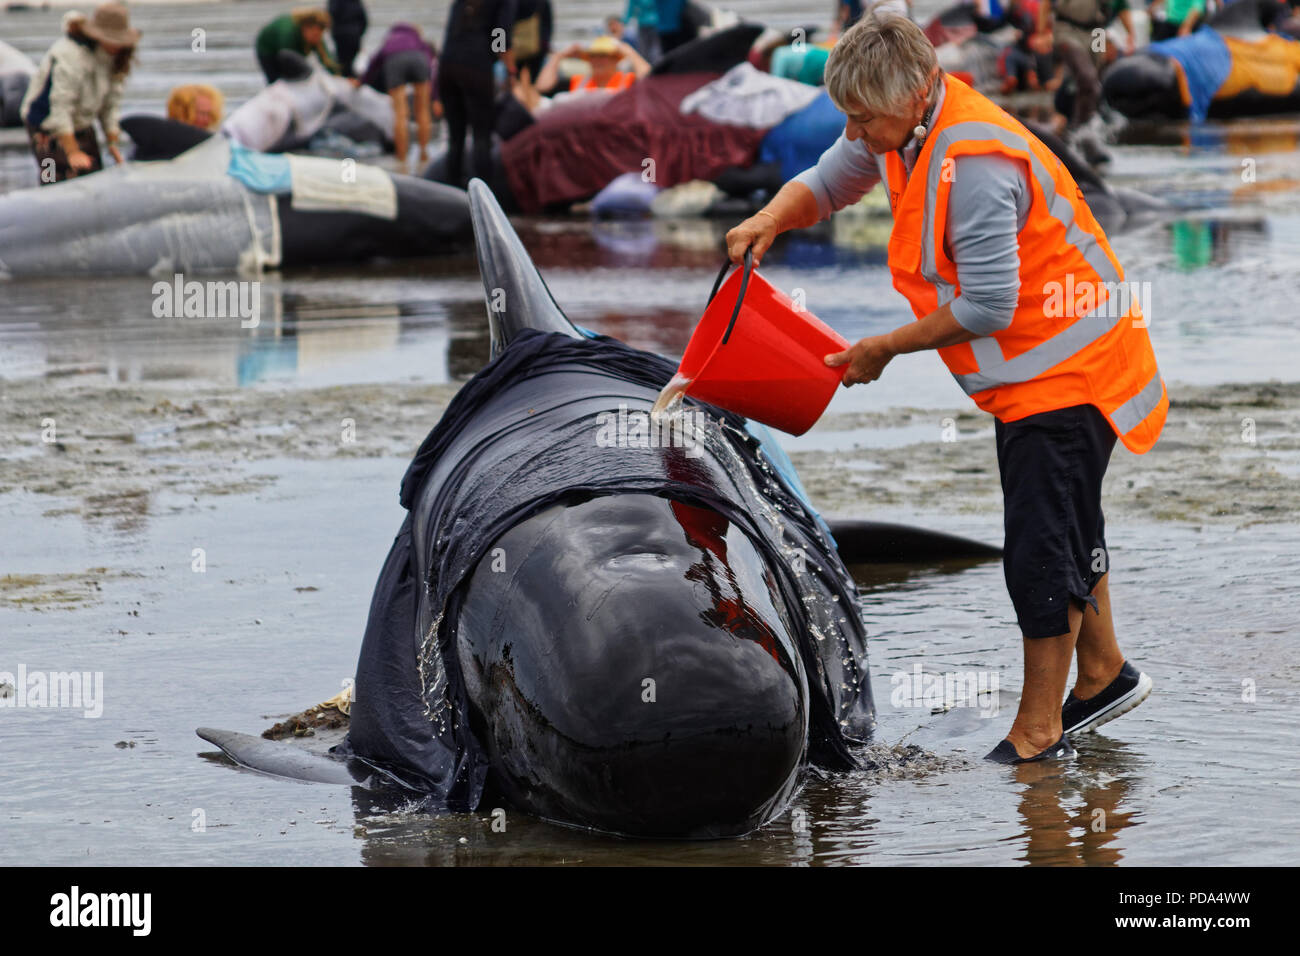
(205, 541)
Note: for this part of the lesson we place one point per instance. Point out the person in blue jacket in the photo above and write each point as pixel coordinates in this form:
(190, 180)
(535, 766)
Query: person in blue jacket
(646, 15)
(673, 29)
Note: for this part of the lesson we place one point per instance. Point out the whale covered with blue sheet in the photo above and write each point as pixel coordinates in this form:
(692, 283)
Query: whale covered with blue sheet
(1243, 62)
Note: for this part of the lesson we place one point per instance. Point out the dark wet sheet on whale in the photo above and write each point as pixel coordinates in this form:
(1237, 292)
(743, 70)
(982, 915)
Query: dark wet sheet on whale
(521, 436)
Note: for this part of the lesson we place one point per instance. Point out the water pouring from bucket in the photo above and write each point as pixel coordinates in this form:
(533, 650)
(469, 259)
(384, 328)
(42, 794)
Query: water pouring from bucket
(756, 353)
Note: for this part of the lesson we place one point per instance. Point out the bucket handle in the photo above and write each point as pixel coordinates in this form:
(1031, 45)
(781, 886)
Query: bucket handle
(744, 283)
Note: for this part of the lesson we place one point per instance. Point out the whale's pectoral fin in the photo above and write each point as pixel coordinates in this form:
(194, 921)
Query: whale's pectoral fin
(878, 542)
(517, 297)
(286, 760)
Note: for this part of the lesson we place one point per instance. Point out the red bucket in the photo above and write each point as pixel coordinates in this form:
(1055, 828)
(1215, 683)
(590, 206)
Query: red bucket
(771, 365)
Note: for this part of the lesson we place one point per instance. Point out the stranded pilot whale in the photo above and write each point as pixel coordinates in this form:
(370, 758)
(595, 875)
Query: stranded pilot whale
(645, 637)
(287, 114)
(1245, 61)
(648, 635)
(218, 207)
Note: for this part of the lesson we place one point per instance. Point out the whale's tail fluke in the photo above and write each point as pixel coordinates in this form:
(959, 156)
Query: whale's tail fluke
(517, 297)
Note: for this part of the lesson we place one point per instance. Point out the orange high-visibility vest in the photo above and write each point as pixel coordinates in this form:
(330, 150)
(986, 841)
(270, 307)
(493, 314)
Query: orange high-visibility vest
(1077, 335)
(621, 80)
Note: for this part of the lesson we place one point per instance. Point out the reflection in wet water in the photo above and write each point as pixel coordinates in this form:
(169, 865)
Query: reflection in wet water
(425, 321)
(1197, 243)
(1072, 821)
(306, 331)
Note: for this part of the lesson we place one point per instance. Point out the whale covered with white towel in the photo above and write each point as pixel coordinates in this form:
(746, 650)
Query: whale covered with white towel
(219, 207)
(286, 114)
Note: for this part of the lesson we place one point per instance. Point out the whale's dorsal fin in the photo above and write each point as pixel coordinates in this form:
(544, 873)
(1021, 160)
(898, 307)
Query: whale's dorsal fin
(517, 297)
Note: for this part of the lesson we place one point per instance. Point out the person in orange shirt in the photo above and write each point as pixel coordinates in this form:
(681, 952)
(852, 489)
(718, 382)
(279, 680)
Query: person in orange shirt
(1013, 282)
(197, 104)
(604, 54)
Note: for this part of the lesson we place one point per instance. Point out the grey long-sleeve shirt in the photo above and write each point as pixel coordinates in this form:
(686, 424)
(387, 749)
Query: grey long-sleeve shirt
(988, 203)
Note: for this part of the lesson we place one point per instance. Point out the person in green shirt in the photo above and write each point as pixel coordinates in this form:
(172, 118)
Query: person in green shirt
(1181, 18)
(801, 62)
(1122, 10)
(302, 30)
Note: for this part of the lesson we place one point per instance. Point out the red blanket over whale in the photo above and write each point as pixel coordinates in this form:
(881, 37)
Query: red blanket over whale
(576, 148)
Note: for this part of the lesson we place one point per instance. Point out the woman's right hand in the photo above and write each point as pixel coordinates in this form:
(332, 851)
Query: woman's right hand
(79, 160)
(756, 233)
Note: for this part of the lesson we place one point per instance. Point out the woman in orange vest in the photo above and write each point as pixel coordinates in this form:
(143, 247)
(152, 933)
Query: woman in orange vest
(1014, 283)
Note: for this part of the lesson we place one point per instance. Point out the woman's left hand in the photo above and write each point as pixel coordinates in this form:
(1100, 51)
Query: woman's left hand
(866, 360)
(115, 153)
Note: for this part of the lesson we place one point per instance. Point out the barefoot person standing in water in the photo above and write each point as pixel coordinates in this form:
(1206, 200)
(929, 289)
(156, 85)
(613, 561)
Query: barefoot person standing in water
(989, 228)
(405, 61)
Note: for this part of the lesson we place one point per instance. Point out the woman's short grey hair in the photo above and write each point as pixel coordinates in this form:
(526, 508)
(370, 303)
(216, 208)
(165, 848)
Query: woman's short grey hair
(879, 64)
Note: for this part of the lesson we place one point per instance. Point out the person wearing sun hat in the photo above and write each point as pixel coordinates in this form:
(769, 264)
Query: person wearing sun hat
(79, 80)
(604, 54)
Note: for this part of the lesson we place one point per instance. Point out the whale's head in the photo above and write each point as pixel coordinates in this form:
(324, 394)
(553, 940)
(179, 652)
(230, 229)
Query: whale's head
(631, 668)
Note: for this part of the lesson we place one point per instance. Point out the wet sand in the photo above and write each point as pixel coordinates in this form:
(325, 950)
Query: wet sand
(1230, 454)
(112, 445)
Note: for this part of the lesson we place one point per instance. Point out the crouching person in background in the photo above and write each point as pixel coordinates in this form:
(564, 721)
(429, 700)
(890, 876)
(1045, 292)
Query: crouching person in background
(79, 80)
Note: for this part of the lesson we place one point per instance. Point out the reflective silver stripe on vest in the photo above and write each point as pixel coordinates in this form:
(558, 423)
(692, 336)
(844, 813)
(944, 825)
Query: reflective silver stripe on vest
(987, 351)
(946, 293)
(1057, 206)
(994, 370)
(1133, 412)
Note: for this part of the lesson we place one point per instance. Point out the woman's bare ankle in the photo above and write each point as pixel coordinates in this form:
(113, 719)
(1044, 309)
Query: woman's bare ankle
(1094, 677)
